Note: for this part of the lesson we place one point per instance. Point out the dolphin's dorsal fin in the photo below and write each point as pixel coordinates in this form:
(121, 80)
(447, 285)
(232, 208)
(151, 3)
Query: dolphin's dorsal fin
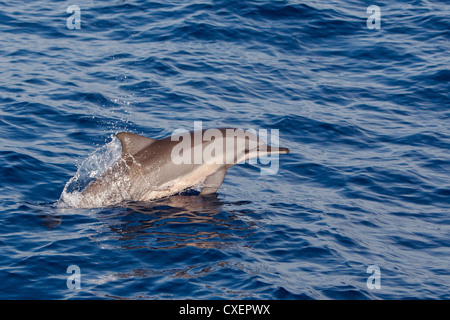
(213, 182)
(133, 143)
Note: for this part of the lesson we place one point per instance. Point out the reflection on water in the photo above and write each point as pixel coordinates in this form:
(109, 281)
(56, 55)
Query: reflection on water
(180, 238)
(175, 222)
(186, 219)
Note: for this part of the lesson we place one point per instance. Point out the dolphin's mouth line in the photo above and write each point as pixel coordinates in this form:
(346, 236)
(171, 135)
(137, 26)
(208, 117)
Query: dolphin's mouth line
(270, 150)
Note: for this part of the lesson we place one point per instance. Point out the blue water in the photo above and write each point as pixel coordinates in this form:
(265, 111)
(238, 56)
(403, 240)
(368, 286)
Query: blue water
(365, 113)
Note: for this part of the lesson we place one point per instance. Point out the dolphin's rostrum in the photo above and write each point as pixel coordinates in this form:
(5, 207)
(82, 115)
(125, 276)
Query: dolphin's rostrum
(150, 169)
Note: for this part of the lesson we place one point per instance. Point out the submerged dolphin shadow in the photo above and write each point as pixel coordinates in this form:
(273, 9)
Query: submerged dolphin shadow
(178, 221)
(185, 219)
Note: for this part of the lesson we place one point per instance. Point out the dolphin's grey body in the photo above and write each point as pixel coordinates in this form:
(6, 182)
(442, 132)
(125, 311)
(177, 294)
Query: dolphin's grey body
(149, 168)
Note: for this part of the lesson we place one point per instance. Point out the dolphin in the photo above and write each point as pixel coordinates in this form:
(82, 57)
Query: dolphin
(150, 169)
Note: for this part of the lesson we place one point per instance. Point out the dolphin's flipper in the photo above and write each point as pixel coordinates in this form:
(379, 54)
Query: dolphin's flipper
(133, 143)
(213, 182)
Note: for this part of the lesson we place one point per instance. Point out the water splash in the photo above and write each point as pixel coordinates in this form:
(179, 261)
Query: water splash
(90, 169)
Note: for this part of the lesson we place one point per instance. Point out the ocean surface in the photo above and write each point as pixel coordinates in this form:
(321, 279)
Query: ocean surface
(359, 209)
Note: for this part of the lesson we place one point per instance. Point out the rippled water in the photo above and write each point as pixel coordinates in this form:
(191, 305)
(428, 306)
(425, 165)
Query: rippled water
(364, 112)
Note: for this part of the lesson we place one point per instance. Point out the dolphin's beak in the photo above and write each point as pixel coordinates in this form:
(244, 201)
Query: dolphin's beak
(282, 150)
(277, 150)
